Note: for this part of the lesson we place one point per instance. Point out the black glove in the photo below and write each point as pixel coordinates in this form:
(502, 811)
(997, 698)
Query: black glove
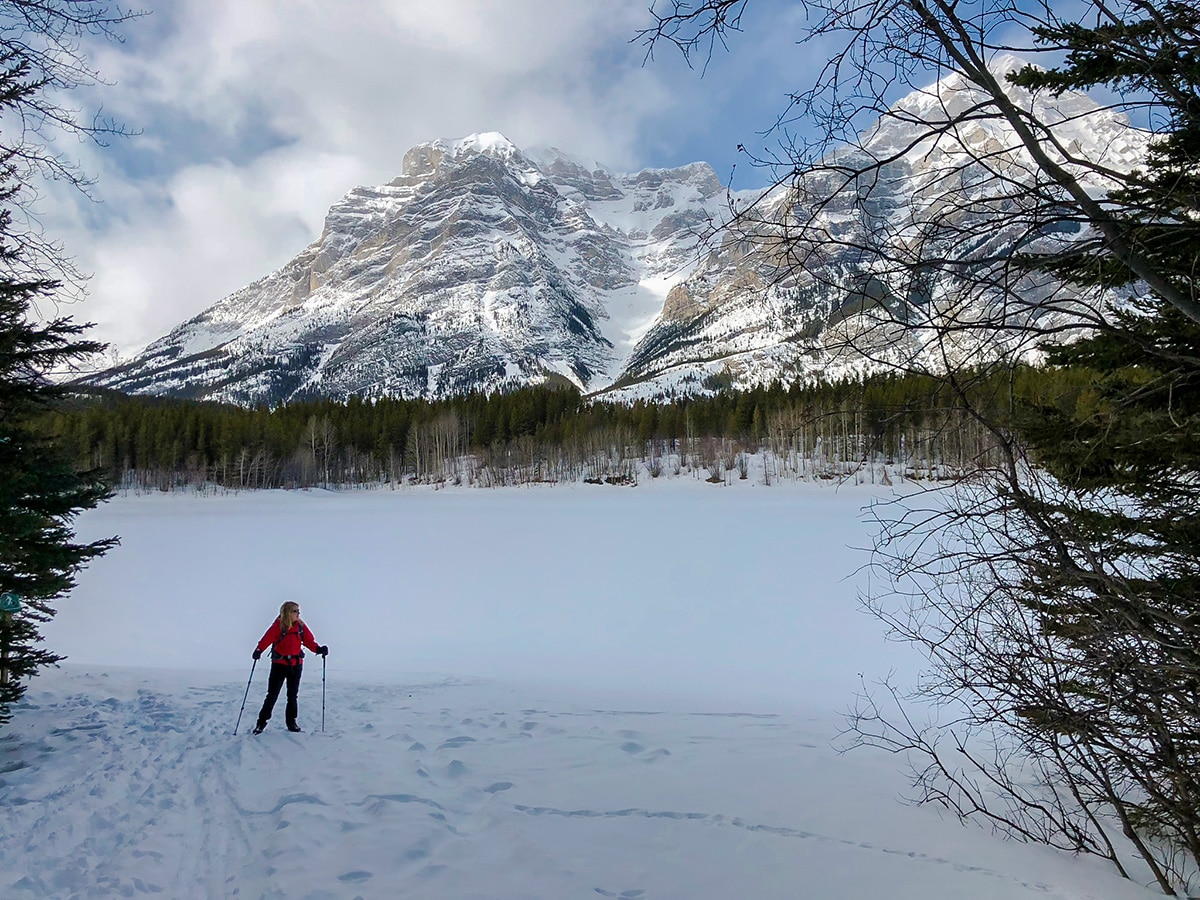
(257, 654)
(323, 650)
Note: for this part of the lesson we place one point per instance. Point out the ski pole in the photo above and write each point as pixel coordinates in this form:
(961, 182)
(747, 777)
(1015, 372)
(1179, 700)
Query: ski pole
(247, 694)
(322, 693)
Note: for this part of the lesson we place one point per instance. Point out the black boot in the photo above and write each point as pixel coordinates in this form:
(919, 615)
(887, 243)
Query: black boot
(258, 729)
(292, 726)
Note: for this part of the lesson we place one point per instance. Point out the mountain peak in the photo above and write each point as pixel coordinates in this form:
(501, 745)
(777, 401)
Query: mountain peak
(552, 158)
(489, 143)
(426, 158)
(480, 268)
(1004, 64)
(1001, 65)
(954, 96)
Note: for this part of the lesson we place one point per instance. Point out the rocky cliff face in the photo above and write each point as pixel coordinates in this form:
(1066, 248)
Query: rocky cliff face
(482, 267)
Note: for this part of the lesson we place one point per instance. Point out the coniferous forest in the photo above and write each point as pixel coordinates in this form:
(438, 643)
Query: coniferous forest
(884, 426)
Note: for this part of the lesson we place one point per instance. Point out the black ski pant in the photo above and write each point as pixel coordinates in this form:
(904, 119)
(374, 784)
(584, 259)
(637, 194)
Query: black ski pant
(281, 672)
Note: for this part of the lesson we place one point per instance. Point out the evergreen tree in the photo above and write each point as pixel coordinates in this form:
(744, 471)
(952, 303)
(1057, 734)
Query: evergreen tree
(1087, 645)
(1117, 582)
(40, 490)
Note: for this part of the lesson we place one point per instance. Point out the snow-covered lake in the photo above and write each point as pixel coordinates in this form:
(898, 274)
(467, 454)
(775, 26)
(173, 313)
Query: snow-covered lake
(530, 693)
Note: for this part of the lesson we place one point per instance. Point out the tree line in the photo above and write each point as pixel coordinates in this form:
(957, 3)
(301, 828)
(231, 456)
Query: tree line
(907, 423)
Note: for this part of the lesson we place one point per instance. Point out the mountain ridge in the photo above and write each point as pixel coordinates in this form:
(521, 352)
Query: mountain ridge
(483, 267)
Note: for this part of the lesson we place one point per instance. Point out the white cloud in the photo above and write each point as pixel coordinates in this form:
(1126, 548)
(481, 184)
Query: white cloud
(219, 228)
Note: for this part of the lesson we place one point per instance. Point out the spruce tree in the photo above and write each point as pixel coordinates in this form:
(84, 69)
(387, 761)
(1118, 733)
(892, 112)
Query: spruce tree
(40, 489)
(1113, 579)
(1076, 625)
(1056, 594)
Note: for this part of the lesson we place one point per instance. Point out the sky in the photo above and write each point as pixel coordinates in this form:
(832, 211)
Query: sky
(252, 117)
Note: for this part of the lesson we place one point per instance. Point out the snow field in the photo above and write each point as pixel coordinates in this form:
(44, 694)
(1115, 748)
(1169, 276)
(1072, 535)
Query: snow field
(637, 695)
(742, 596)
(132, 785)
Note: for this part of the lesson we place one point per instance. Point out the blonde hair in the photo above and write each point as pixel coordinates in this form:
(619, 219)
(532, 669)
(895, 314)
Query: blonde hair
(289, 615)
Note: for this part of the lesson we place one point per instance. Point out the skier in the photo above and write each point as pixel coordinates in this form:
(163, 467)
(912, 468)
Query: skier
(286, 637)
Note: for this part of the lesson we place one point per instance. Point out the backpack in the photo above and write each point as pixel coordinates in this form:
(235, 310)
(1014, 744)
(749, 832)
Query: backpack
(276, 655)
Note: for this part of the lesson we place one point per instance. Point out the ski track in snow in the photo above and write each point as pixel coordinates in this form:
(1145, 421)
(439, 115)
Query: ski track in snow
(126, 786)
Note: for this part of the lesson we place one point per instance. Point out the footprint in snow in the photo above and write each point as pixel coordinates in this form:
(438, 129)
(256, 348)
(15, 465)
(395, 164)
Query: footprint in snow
(355, 877)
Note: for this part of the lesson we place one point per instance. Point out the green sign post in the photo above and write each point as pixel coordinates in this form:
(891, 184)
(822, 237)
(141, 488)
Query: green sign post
(9, 604)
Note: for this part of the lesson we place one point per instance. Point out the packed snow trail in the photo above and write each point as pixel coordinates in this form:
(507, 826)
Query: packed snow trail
(129, 782)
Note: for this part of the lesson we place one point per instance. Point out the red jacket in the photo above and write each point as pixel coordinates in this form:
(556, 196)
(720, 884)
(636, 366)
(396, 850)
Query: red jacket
(287, 649)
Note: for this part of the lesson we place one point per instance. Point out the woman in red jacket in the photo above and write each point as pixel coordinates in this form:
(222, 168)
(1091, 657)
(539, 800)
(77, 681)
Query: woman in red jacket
(287, 637)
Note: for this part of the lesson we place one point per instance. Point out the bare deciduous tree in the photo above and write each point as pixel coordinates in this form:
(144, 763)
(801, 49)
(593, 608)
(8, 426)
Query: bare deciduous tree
(42, 45)
(956, 233)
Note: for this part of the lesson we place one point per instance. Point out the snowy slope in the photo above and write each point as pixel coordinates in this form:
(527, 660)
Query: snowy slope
(661, 728)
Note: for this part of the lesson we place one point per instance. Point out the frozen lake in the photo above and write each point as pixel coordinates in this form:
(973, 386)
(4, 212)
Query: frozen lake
(571, 692)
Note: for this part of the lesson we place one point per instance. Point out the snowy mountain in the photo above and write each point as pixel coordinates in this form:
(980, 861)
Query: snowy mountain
(483, 267)
(816, 252)
(479, 268)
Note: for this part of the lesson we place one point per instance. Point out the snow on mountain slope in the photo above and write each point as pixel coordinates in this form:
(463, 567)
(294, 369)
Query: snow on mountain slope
(812, 252)
(483, 267)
